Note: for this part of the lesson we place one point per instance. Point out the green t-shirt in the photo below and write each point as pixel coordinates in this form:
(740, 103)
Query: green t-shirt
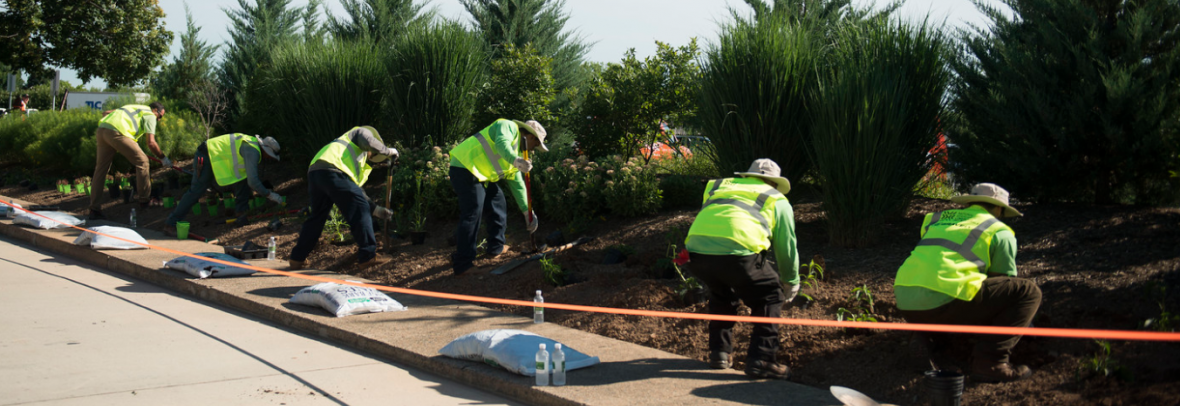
(1003, 262)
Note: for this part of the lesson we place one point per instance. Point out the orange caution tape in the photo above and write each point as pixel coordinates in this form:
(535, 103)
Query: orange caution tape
(939, 328)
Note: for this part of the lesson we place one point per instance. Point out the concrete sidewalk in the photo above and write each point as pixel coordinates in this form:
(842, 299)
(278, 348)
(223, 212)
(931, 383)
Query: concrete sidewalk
(78, 335)
(630, 374)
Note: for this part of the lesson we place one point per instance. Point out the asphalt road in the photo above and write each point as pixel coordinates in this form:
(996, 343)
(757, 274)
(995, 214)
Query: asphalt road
(72, 334)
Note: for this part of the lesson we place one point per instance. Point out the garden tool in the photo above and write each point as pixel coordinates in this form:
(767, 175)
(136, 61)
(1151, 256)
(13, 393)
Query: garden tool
(388, 196)
(173, 166)
(517, 263)
(528, 191)
(297, 213)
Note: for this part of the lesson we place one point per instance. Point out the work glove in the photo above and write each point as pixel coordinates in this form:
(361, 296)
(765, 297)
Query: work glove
(791, 291)
(274, 197)
(393, 154)
(523, 164)
(531, 221)
(166, 162)
(382, 213)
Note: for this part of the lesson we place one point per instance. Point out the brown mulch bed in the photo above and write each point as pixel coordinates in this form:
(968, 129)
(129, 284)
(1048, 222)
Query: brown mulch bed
(1097, 266)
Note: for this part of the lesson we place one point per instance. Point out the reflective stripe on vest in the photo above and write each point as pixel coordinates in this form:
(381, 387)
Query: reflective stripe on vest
(963, 249)
(127, 123)
(341, 149)
(493, 157)
(134, 119)
(225, 157)
(755, 210)
(352, 154)
(742, 210)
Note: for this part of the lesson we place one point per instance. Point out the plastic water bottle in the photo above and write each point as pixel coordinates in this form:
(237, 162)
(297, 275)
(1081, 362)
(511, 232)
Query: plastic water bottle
(270, 250)
(538, 311)
(132, 218)
(558, 365)
(542, 366)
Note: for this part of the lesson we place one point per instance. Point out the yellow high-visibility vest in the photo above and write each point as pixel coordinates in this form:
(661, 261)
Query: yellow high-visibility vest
(476, 154)
(739, 209)
(127, 119)
(347, 157)
(954, 254)
(225, 156)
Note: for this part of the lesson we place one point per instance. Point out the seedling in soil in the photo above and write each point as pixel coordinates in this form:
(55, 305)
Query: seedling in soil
(553, 272)
(335, 225)
(810, 279)
(1102, 364)
(1166, 321)
(862, 296)
(856, 314)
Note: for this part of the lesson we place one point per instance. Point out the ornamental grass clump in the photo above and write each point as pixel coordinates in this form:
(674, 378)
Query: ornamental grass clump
(875, 116)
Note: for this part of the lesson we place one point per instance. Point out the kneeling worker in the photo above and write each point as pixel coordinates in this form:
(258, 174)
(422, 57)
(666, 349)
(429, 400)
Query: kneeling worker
(228, 159)
(963, 271)
(740, 220)
(477, 165)
(335, 177)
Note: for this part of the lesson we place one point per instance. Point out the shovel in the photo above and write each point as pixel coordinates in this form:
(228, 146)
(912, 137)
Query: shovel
(528, 191)
(173, 166)
(517, 263)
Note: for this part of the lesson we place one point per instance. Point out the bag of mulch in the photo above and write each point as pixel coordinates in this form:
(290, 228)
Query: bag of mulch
(514, 350)
(101, 238)
(204, 269)
(346, 300)
(47, 220)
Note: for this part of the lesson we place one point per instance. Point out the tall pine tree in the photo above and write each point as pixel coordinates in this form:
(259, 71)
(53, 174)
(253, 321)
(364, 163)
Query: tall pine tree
(379, 20)
(537, 22)
(255, 31)
(191, 69)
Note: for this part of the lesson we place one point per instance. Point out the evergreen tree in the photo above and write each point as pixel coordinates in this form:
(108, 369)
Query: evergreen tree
(191, 69)
(537, 22)
(1071, 100)
(255, 31)
(379, 20)
(313, 31)
(824, 12)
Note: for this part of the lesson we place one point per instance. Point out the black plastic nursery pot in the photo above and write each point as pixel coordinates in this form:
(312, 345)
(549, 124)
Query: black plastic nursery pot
(417, 237)
(127, 195)
(113, 189)
(943, 388)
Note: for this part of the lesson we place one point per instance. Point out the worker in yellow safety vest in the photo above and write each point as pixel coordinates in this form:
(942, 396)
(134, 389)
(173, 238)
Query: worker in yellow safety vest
(228, 159)
(335, 177)
(740, 221)
(963, 271)
(119, 131)
(480, 165)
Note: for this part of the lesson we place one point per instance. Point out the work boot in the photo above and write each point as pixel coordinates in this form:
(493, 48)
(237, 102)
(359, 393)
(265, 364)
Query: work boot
(767, 370)
(296, 265)
(989, 372)
(169, 230)
(503, 252)
(95, 215)
(377, 260)
(720, 360)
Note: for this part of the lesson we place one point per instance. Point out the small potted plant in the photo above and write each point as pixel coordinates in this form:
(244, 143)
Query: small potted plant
(335, 227)
(418, 214)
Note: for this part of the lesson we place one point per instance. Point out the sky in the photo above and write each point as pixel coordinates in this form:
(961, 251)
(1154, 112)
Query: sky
(613, 26)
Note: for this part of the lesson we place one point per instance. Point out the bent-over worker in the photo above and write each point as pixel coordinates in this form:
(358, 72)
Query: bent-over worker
(740, 221)
(227, 159)
(963, 271)
(119, 131)
(335, 177)
(478, 165)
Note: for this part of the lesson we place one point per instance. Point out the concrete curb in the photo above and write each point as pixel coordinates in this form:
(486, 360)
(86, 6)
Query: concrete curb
(629, 374)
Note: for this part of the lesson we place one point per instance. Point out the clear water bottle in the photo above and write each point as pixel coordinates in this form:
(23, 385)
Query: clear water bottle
(538, 311)
(542, 366)
(133, 218)
(270, 249)
(558, 365)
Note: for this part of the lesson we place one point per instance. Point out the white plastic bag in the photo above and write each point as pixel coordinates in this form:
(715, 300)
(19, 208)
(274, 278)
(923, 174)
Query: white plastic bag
(514, 350)
(203, 269)
(7, 211)
(101, 242)
(56, 219)
(346, 300)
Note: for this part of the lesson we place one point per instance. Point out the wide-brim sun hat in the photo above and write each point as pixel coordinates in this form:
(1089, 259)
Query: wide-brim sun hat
(535, 128)
(767, 169)
(270, 146)
(376, 158)
(989, 193)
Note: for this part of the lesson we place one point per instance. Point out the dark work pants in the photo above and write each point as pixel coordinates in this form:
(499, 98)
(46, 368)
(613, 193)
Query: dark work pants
(328, 187)
(476, 200)
(201, 181)
(733, 280)
(1001, 302)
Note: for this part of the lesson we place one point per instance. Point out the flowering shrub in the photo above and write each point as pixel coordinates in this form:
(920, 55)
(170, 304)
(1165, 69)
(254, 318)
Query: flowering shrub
(577, 190)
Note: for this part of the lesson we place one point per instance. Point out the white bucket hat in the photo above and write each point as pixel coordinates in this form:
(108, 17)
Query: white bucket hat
(989, 193)
(270, 146)
(536, 129)
(766, 169)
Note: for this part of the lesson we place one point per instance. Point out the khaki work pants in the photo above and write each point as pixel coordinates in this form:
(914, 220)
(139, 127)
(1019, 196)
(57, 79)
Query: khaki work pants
(109, 141)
